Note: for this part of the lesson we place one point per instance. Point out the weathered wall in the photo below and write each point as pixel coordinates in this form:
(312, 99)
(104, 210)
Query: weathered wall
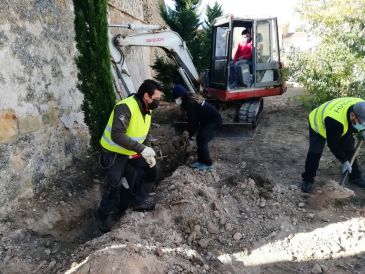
(41, 122)
(139, 59)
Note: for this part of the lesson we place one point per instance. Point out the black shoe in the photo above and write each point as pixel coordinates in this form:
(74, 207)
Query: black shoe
(359, 181)
(146, 205)
(104, 224)
(307, 187)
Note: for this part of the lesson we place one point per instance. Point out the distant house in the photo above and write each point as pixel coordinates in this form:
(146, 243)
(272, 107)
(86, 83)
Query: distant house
(298, 40)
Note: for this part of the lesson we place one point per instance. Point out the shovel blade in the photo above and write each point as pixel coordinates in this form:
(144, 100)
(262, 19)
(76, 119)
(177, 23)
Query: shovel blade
(344, 179)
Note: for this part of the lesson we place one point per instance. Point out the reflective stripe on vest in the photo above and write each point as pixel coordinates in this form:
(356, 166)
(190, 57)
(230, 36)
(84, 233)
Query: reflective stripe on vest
(137, 129)
(336, 109)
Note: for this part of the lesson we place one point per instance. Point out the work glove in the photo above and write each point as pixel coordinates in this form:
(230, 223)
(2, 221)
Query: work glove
(148, 152)
(346, 167)
(151, 161)
(125, 183)
(192, 140)
(361, 135)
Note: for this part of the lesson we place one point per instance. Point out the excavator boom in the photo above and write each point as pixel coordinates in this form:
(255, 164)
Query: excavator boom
(152, 36)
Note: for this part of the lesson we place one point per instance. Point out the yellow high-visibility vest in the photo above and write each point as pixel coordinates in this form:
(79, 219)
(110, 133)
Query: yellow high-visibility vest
(336, 109)
(137, 129)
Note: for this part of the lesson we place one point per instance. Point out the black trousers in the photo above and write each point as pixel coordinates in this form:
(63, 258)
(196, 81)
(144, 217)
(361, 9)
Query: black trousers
(316, 146)
(140, 177)
(204, 136)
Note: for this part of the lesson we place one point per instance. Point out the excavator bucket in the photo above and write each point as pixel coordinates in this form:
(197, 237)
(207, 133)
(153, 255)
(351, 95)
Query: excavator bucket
(236, 130)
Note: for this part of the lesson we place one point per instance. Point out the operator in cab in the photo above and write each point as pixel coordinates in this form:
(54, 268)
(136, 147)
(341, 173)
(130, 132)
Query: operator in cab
(336, 122)
(203, 121)
(129, 163)
(242, 56)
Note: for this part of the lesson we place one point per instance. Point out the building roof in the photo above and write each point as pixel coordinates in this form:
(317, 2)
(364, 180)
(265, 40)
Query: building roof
(299, 34)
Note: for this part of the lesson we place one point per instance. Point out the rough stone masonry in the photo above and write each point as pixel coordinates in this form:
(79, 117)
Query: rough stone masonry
(42, 129)
(41, 122)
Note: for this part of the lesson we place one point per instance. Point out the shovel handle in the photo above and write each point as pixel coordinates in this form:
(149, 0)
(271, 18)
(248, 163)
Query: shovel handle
(357, 149)
(352, 160)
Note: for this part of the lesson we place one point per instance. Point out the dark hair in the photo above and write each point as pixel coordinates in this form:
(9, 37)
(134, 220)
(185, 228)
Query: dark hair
(245, 31)
(148, 86)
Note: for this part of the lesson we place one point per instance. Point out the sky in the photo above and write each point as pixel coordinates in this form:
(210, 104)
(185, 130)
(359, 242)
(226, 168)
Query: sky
(282, 9)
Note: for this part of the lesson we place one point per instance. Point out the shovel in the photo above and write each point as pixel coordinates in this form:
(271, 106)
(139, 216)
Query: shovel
(345, 176)
(332, 190)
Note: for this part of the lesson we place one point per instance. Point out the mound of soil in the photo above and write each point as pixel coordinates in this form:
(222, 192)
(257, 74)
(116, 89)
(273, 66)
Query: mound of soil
(247, 215)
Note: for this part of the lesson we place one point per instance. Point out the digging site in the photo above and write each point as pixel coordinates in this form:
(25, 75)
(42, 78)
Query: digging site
(247, 215)
(73, 80)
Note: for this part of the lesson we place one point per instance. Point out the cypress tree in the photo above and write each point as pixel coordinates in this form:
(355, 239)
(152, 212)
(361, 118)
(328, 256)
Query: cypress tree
(93, 64)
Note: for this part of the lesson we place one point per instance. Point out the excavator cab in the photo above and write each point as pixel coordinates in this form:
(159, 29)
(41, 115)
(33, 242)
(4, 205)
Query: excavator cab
(244, 82)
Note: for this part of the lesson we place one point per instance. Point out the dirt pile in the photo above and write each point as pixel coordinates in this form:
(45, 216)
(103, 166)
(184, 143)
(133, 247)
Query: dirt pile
(246, 216)
(216, 222)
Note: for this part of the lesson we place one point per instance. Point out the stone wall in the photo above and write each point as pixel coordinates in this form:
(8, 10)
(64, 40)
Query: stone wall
(41, 122)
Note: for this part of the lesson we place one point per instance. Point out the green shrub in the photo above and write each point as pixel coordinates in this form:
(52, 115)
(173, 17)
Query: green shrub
(336, 68)
(93, 63)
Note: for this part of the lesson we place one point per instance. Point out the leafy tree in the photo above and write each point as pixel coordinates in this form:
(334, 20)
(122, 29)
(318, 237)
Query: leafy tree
(94, 65)
(184, 19)
(336, 67)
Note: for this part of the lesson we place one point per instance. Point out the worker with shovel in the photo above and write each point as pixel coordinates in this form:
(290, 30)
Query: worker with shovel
(336, 122)
(129, 163)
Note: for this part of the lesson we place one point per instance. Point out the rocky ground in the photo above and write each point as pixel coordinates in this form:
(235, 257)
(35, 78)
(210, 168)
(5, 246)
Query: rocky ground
(245, 216)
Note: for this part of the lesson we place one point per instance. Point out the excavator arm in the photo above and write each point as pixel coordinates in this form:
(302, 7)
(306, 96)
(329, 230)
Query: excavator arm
(151, 36)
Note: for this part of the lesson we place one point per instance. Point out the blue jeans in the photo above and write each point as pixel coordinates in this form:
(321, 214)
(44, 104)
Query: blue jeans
(235, 70)
(204, 136)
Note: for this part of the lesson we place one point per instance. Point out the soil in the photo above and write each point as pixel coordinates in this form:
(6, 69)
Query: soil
(247, 215)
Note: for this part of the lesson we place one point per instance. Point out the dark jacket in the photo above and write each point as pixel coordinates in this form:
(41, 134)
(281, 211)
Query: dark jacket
(334, 130)
(199, 114)
(122, 117)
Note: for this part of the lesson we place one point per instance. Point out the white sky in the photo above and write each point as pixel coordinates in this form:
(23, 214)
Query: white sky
(282, 9)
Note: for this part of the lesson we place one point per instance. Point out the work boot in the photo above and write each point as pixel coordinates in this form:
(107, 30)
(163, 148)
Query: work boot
(146, 205)
(358, 180)
(104, 224)
(307, 187)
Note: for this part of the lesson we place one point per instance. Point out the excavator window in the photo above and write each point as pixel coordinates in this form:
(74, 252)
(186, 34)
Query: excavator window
(267, 52)
(221, 42)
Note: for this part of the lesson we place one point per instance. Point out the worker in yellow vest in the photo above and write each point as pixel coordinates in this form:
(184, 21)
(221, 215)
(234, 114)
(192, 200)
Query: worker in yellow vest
(130, 165)
(336, 122)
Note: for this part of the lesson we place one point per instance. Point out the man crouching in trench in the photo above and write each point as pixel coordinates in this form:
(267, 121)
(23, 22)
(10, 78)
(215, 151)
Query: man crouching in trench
(130, 165)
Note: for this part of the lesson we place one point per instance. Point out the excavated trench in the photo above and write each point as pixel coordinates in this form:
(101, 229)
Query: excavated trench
(38, 232)
(245, 216)
(78, 220)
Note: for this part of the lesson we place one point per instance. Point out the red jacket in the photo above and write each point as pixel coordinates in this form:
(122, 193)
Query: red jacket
(244, 51)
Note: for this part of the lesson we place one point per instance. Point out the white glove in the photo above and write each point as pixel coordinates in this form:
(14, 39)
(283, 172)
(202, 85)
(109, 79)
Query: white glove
(192, 141)
(148, 152)
(151, 161)
(346, 167)
(125, 183)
